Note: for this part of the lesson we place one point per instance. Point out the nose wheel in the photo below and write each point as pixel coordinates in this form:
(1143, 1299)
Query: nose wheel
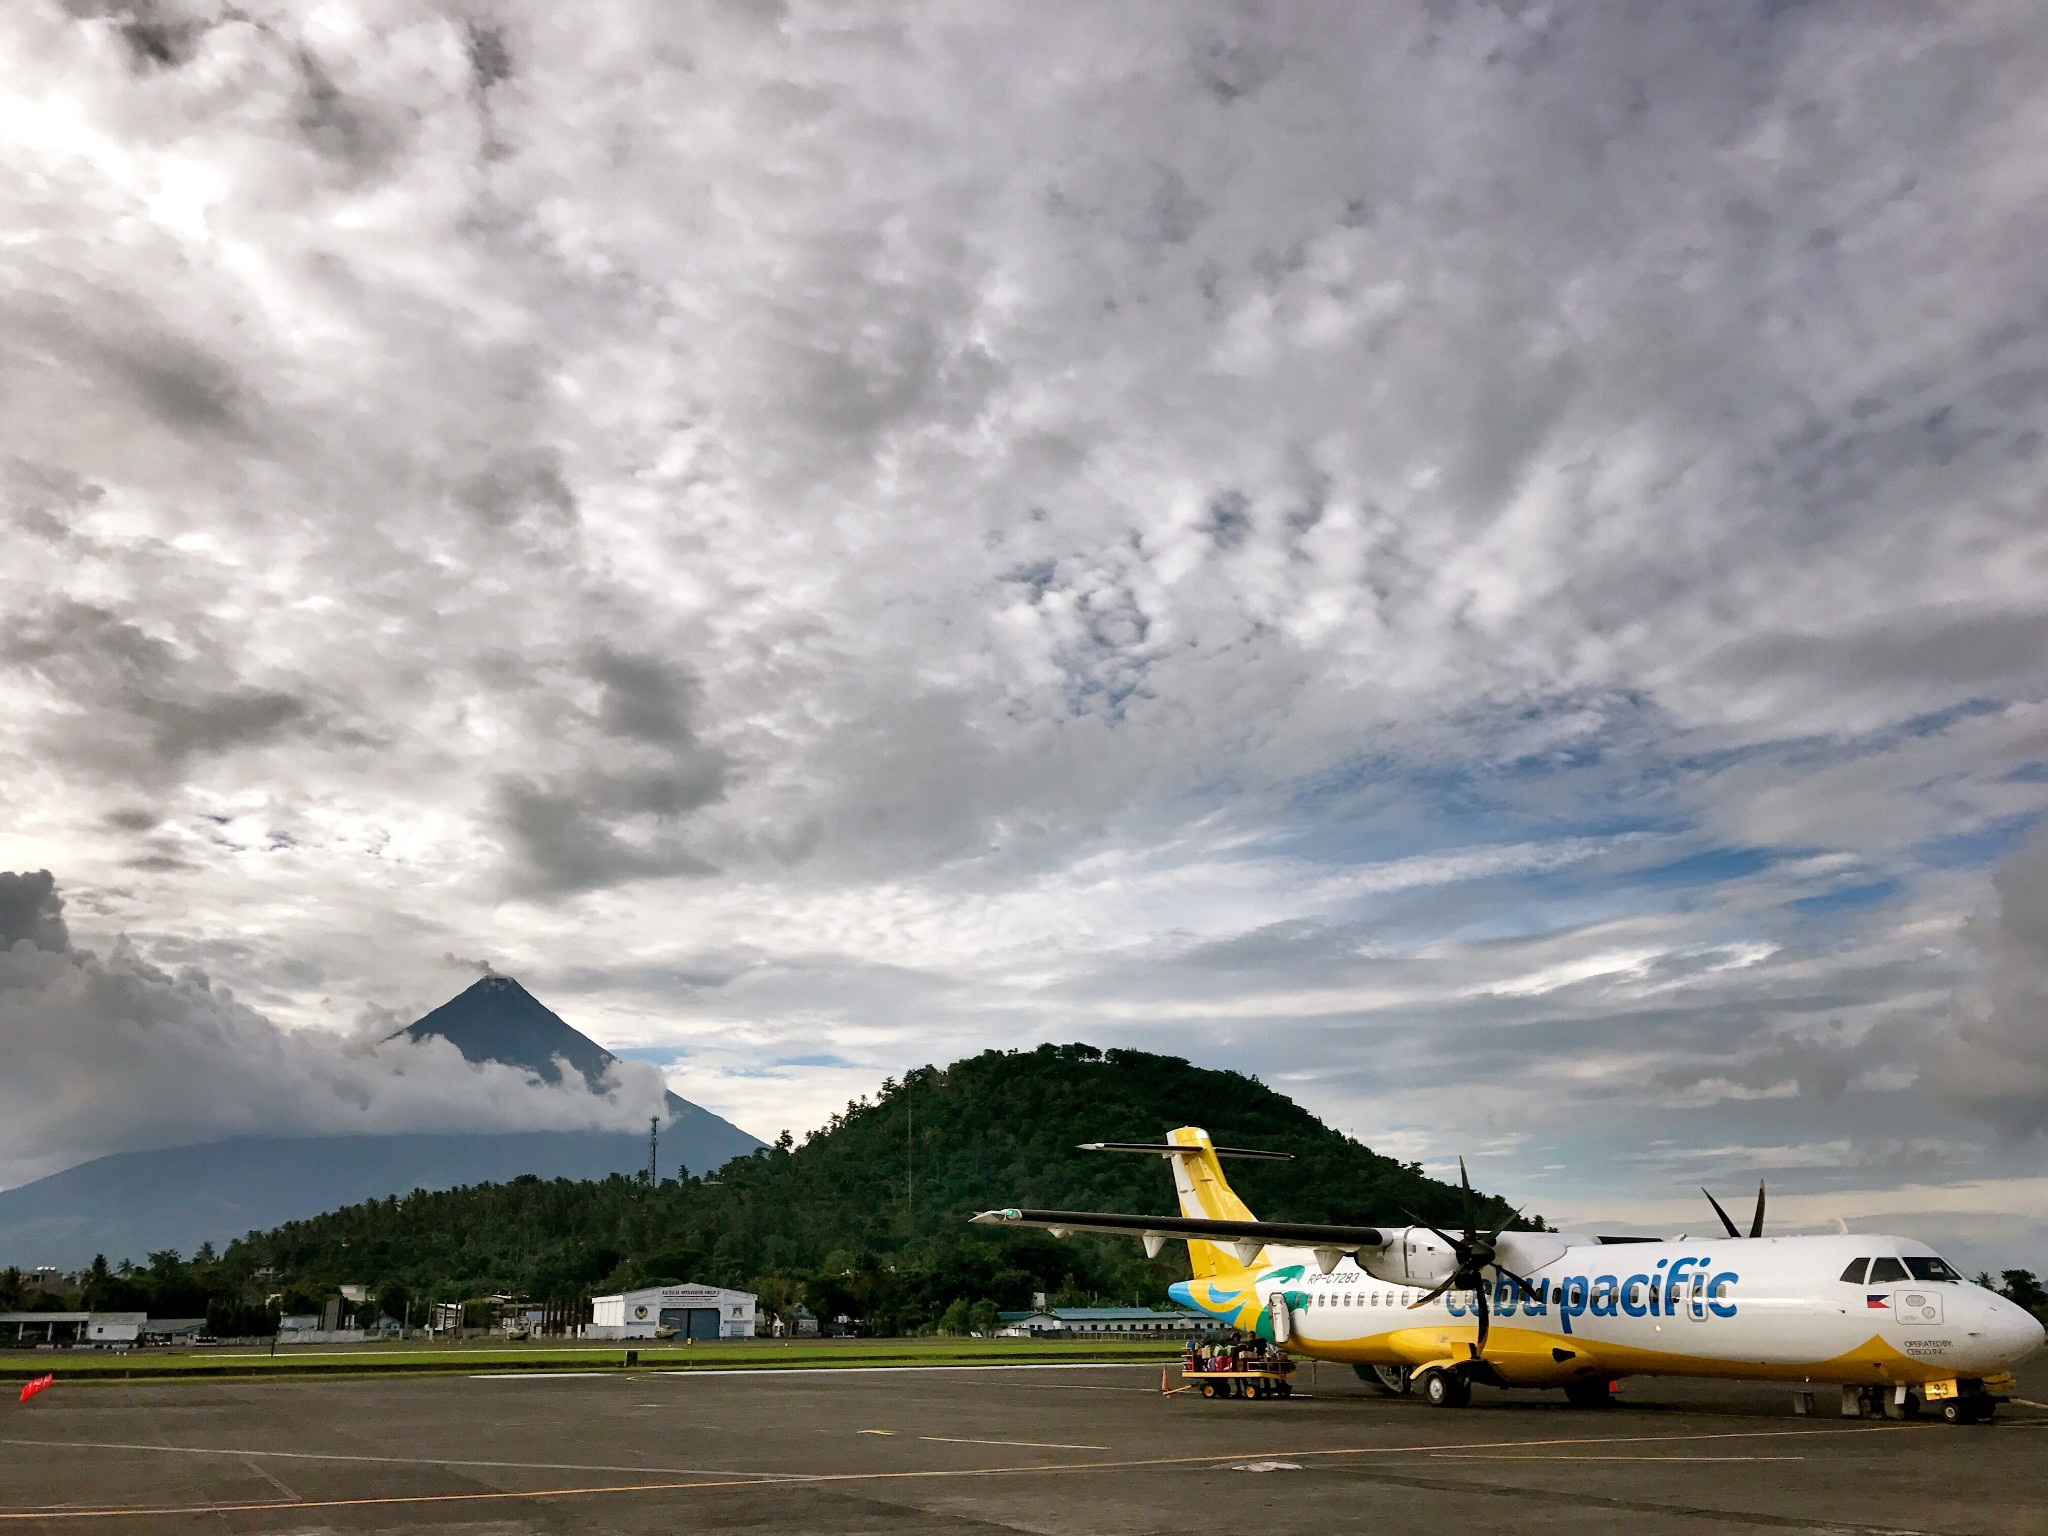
(1446, 1389)
(1968, 1410)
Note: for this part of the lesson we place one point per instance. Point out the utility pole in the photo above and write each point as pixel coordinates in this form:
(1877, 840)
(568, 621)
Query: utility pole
(653, 1149)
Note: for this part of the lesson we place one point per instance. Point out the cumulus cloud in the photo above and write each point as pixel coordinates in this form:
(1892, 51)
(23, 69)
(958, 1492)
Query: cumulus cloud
(1993, 1058)
(31, 912)
(108, 1053)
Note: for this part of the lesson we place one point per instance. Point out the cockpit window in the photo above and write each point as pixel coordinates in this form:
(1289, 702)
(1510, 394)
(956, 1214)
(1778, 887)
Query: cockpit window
(1882, 1270)
(1854, 1273)
(1930, 1269)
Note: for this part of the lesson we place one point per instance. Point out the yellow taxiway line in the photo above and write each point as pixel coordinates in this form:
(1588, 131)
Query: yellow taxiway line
(759, 1480)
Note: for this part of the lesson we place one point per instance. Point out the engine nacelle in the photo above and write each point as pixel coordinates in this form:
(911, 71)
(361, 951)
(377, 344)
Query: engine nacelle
(1527, 1252)
(1417, 1256)
(1410, 1256)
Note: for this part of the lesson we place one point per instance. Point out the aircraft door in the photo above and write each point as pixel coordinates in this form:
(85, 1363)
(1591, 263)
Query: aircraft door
(1282, 1319)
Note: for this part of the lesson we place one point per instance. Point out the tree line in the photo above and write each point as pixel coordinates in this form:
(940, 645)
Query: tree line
(865, 1218)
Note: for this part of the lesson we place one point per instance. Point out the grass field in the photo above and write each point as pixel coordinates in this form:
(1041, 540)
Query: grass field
(76, 1365)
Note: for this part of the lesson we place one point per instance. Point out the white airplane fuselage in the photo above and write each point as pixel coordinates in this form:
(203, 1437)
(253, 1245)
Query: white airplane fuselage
(1760, 1308)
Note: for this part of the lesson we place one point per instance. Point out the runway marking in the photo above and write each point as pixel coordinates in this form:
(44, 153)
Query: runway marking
(406, 1461)
(375, 1364)
(868, 1370)
(276, 1482)
(1510, 1456)
(541, 1375)
(815, 1479)
(1036, 1445)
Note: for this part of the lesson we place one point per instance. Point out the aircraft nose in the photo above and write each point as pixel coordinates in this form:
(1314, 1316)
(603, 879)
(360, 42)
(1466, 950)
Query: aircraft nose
(2016, 1331)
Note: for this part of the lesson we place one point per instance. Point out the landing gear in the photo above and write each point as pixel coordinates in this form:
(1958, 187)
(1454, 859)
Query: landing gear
(1393, 1380)
(1443, 1389)
(1893, 1406)
(1587, 1394)
(1976, 1408)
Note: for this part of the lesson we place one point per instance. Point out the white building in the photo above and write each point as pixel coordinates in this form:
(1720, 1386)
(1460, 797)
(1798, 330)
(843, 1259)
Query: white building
(1095, 1322)
(115, 1328)
(692, 1311)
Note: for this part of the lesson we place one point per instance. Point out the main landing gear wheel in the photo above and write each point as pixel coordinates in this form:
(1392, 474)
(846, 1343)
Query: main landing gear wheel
(1441, 1389)
(1587, 1394)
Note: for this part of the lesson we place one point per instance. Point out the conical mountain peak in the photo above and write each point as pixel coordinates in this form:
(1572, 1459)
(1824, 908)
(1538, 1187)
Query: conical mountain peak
(496, 1019)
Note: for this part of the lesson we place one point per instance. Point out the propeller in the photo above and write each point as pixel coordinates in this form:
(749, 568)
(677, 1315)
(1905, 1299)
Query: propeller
(1474, 1252)
(1756, 1226)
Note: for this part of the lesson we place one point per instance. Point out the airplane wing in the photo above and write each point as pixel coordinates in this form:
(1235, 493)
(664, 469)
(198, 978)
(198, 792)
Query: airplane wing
(1247, 1237)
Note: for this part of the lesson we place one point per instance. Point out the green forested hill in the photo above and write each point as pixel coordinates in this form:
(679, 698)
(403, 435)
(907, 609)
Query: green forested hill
(869, 1215)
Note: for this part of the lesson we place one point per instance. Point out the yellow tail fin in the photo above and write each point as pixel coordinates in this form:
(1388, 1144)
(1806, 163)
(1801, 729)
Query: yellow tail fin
(1198, 1176)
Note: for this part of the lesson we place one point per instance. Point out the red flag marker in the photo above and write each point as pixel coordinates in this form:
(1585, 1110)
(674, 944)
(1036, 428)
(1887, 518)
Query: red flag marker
(39, 1384)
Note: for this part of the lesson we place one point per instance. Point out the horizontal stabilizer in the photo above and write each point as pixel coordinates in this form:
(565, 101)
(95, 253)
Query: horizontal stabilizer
(1293, 1234)
(1180, 1149)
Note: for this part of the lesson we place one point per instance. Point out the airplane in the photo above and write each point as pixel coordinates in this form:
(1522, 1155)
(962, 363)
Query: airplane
(1431, 1311)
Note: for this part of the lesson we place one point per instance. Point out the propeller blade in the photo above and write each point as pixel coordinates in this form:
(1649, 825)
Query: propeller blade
(1756, 1227)
(1733, 1230)
(1432, 1296)
(1523, 1287)
(1512, 1216)
(1479, 1305)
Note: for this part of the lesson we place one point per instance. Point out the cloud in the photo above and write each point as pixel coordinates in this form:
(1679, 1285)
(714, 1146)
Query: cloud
(31, 912)
(155, 705)
(108, 1053)
(1483, 557)
(1993, 1057)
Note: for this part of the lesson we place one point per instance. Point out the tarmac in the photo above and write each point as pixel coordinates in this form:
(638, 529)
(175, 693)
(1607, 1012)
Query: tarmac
(1082, 1449)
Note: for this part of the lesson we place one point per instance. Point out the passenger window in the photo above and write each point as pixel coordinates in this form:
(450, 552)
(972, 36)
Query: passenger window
(1885, 1270)
(1853, 1275)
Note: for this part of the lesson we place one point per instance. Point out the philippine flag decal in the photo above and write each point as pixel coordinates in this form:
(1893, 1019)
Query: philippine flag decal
(1878, 1303)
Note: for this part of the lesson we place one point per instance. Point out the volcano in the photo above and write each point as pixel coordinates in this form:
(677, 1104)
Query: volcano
(131, 1204)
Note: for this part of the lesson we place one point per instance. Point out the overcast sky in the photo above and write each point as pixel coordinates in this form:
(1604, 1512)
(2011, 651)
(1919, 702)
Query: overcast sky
(1486, 564)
